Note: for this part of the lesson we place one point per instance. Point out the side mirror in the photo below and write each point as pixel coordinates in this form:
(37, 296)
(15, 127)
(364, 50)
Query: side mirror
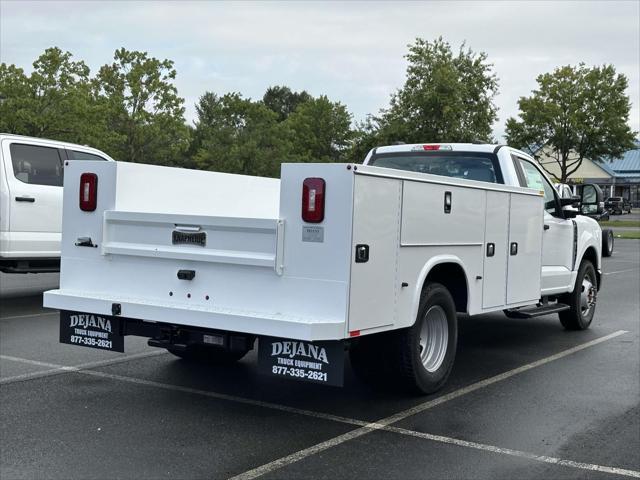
(570, 202)
(591, 200)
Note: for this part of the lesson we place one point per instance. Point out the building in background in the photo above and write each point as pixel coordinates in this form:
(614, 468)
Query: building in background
(617, 177)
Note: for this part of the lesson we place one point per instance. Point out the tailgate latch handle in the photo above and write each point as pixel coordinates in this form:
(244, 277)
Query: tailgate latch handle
(186, 274)
(85, 242)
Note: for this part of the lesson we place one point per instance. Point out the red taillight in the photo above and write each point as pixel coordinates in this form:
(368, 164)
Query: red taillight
(431, 147)
(88, 192)
(313, 200)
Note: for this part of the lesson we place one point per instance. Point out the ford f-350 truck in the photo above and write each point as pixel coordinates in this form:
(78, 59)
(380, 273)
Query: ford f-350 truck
(374, 259)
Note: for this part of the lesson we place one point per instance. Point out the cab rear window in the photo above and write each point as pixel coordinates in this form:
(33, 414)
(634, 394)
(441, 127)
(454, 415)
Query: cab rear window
(477, 166)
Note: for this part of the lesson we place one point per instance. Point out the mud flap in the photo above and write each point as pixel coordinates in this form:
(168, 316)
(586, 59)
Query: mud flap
(91, 330)
(317, 362)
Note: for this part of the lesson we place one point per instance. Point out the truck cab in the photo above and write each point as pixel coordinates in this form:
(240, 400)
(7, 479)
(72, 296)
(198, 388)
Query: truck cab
(31, 177)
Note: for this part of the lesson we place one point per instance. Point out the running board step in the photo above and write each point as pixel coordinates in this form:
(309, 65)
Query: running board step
(538, 311)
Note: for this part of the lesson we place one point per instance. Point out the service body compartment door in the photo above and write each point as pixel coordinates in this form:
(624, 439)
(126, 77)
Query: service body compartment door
(376, 227)
(525, 248)
(494, 284)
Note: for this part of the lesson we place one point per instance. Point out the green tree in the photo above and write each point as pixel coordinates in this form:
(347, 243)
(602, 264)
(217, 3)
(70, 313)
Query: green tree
(236, 135)
(577, 112)
(321, 130)
(54, 101)
(366, 136)
(143, 109)
(283, 100)
(446, 97)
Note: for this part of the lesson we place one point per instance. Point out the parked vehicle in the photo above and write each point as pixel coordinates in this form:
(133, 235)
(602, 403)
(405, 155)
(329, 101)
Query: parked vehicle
(31, 173)
(617, 205)
(378, 258)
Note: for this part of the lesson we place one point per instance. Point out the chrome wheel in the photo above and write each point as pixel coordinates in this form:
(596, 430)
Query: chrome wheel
(434, 338)
(588, 295)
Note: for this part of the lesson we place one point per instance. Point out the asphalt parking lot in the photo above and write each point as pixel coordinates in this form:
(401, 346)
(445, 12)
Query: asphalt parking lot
(526, 399)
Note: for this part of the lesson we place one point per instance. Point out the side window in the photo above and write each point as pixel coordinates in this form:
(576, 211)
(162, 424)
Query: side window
(534, 179)
(36, 165)
(77, 155)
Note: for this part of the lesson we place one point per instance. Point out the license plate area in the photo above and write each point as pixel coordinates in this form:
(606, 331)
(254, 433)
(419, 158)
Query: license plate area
(189, 238)
(91, 330)
(317, 362)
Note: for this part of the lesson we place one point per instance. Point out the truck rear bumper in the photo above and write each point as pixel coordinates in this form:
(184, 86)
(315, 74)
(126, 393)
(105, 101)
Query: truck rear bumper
(274, 325)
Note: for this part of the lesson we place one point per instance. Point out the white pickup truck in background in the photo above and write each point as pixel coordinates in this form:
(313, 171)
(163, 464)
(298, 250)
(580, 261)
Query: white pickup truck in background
(31, 173)
(378, 258)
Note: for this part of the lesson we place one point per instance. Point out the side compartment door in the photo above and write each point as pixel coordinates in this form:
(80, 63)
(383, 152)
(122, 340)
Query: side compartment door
(525, 248)
(376, 227)
(494, 284)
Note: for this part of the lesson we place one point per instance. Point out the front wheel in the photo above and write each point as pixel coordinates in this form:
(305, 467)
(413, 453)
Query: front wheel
(582, 301)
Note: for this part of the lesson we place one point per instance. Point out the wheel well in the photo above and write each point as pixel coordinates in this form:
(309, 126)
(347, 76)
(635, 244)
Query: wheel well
(452, 276)
(591, 255)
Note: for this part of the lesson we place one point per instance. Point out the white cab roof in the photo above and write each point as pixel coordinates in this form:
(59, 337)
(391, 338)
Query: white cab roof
(461, 147)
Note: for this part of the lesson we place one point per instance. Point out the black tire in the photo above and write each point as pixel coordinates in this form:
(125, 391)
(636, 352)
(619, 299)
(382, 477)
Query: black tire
(577, 318)
(208, 355)
(510, 314)
(607, 243)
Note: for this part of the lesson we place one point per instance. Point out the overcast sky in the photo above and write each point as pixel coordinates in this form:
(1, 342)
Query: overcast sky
(352, 52)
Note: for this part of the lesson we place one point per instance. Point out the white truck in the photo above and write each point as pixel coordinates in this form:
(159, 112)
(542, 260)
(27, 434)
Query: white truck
(374, 259)
(31, 172)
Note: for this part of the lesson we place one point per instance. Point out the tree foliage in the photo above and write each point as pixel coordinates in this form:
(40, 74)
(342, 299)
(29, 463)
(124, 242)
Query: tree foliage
(54, 101)
(143, 108)
(321, 130)
(131, 109)
(577, 113)
(447, 97)
(283, 101)
(234, 134)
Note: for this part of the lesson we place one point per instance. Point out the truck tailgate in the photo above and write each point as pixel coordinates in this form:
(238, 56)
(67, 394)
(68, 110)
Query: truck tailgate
(218, 272)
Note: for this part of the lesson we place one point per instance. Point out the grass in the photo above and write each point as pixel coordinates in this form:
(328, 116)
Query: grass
(621, 223)
(632, 235)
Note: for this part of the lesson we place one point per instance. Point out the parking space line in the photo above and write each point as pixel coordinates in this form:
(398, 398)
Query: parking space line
(83, 369)
(622, 271)
(516, 453)
(230, 398)
(365, 427)
(55, 369)
(41, 314)
(297, 456)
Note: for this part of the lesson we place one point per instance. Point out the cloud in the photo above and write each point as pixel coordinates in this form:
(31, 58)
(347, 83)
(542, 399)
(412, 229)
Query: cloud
(352, 51)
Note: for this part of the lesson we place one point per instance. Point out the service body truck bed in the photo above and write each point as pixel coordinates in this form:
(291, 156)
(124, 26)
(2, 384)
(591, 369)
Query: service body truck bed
(204, 262)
